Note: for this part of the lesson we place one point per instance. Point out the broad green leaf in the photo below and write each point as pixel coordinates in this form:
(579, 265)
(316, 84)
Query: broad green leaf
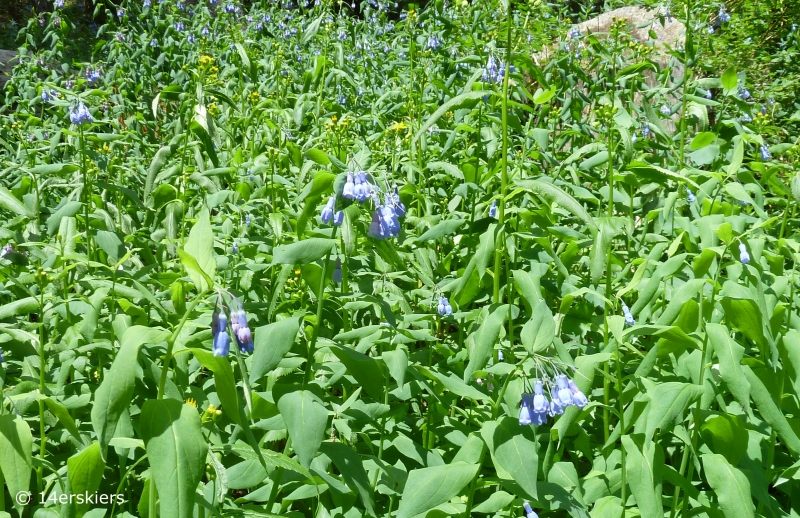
(702, 139)
(789, 349)
(745, 315)
(9, 202)
(428, 487)
(770, 411)
(441, 229)
(726, 434)
(730, 485)
(365, 369)
(643, 464)
(555, 194)
(484, 339)
(224, 382)
(738, 156)
(729, 79)
(303, 252)
(19, 307)
(397, 362)
(271, 343)
(114, 394)
(200, 246)
(668, 402)
(730, 356)
(350, 465)
(16, 443)
(515, 450)
(306, 419)
(176, 450)
(63, 417)
(85, 470)
(537, 334)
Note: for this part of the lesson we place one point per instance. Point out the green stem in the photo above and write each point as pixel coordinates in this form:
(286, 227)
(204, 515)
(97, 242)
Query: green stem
(320, 305)
(500, 251)
(42, 435)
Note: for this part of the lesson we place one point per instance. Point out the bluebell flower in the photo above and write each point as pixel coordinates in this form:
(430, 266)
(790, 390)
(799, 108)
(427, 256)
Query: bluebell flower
(120, 12)
(529, 511)
(646, 130)
(763, 110)
(375, 228)
(744, 93)
(628, 317)
(665, 110)
(574, 33)
(94, 75)
(562, 391)
(723, 15)
(539, 404)
(58, 4)
(342, 35)
(179, 26)
(153, 42)
(444, 308)
(399, 208)
(743, 255)
(578, 397)
(493, 209)
(500, 356)
(668, 15)
(2, 358)
(746, 118)
(348, 191)
(146, 3)
(222, 341)
(363, 188)
(205, 31)
(241, 330)
(230, 8)
(525, 412)
(337, 271)
(327, 211)
(338, 218)
(765, 154)
(634, 138)
(708, 94)
(247, 220)
(690, 195)
(433, 42)
(80, 115)
(235, 247)
(556, 408)
(190, 38)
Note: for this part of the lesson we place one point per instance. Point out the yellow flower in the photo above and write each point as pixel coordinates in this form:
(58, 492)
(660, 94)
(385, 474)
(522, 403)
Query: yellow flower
(192, 402)
(398, 126)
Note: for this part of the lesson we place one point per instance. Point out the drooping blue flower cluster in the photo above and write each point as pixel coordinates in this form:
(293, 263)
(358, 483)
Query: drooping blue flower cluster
(444, 308)
(744, 93)
(327, 210)
(529, 513)
(221, 340)
(58, 4)
(574, 33)
(665, 110)
(629, 320)
(690, 196)
(536, 408)
(723, 16)
(79, 115)
(94, 75)
(385, 219)
(495, 70)
(743, 255)
(179, 26)
(433, 43)
(765, 154)
(493, 209)
(646, 130)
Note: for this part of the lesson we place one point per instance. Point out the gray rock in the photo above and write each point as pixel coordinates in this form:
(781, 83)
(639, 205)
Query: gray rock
(8, 58)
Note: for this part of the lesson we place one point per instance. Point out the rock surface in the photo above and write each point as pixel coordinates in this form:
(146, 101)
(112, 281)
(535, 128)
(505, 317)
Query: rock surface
(7, 61)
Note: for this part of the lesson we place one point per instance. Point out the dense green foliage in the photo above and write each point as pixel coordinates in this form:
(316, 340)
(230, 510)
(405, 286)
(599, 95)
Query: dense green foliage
(285, 261)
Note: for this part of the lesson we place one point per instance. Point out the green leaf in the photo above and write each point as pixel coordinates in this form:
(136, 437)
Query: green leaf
(730, 356)
(729, 79)
(726, 434)
(451, 105)
(303, 252)
(69, 209)
(366, 370)
(428, 487)
(16, 442)
(668, 402)
(554, 194)
(770, 411)
(63, 417)
(306, 418)
(176, 450)
(703, 139)
(644, 478)
(19, 307)
(85, 470)
(514, 450)
(745, 315)
(738, 156)
(224, 382)
(9, 202)
(441, 229)
(271, 343)
(397, 362)
(200, 246)
(730, 485)
(542, 96)
(538, 333)
(114, 394)
(484, 339)
(349, 464)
